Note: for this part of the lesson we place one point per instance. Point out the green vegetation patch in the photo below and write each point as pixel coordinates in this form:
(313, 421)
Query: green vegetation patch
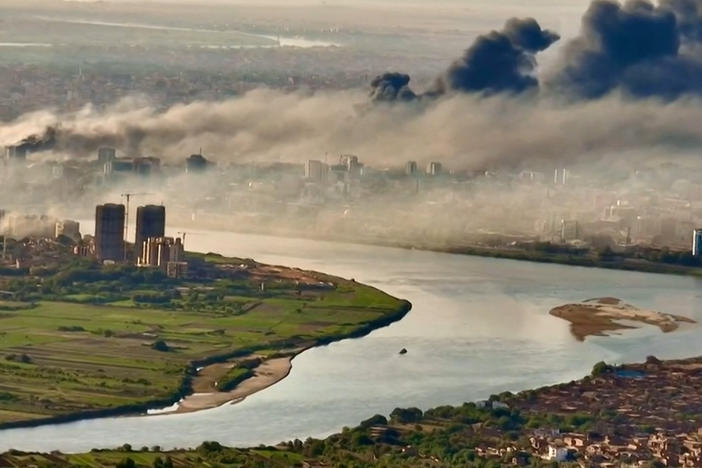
(93, 338)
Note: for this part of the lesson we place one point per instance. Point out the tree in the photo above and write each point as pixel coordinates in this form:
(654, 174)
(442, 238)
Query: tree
(600, 368)
(359, 438)
(409, 415)
(209, 447)
(126, 463)
(377, 420)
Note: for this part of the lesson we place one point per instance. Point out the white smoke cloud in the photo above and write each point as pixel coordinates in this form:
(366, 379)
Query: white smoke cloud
(464, 131)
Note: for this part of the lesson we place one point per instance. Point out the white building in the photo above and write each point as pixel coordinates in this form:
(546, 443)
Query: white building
(697, 242)
(561, 176)
(557, 453)
(434, 168)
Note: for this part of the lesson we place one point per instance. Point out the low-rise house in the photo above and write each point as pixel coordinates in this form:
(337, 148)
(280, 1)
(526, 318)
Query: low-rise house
(557, 452)
(574, 440)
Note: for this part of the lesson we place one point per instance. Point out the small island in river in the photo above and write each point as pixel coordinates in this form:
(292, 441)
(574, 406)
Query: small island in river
(596, 317)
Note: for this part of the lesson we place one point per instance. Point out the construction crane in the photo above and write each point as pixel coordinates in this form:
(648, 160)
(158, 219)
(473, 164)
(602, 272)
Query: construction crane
(128, 196)
(184, 234)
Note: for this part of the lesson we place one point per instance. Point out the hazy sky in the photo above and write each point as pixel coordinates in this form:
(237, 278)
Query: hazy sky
(560, 15)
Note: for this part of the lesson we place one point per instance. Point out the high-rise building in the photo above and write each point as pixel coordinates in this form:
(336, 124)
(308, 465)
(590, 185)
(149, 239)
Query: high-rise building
(697, 242)
(196, 163)
(434, 168)
(411, 168)
(118, 166)
(316, 170)
(146, 166)
(15, 153)
(67, 228)
(351, 163)
(160, 251)
(349, 160)
(150, 222)
(106, 155)
(561, 176)
(109, 232)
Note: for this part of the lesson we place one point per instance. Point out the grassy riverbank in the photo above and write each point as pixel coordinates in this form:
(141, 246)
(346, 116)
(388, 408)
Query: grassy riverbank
(80, 340)
(643, 415)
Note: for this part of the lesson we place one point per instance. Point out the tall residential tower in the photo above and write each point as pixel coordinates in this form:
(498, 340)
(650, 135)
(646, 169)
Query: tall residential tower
(150, 222)
(109, 232)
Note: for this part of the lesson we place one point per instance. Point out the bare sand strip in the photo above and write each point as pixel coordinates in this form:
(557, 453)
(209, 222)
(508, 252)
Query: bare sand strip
(270, 372)
(596, 317)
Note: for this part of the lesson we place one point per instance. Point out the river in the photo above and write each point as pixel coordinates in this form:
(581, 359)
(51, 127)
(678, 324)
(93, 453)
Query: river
(272, 40)
(479, 326)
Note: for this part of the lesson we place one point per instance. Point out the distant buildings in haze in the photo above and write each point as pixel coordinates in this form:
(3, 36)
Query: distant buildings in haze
(196, 163)
(316, 170)
(67, 228)
(435, 168)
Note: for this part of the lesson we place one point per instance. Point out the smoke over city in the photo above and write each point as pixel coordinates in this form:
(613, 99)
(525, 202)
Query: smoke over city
(465, 131)
(473, 116)
(501, 61)
(624, 94)
(640, 48)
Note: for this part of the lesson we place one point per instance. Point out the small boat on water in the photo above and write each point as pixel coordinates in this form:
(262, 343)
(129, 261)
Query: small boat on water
(403, 351)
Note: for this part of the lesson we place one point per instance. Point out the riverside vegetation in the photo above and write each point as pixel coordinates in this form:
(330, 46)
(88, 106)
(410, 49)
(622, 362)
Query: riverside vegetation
(78, 339)
(617, 416)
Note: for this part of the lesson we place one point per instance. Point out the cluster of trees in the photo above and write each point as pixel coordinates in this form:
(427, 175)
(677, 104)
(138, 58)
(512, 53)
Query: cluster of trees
(450, 434)
(90, 282)
(665, 255)
(242, 371)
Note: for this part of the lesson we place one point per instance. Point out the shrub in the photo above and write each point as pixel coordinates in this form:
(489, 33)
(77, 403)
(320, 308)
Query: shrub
(600, 368)
(161, 345)
(126, 463)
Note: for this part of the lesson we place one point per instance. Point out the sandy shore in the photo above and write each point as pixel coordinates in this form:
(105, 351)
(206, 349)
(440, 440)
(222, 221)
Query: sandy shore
(206, 396)
(596, 317)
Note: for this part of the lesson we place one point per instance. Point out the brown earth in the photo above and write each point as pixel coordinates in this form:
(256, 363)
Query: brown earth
(597, 317)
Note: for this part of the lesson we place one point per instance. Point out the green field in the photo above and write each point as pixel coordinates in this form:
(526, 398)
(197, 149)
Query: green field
(71, 347)
(216, 456)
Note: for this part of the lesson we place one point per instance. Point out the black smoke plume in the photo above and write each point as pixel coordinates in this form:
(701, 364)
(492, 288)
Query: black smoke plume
(501, 61)
(390, 87)
(637, 47)
(689, 16)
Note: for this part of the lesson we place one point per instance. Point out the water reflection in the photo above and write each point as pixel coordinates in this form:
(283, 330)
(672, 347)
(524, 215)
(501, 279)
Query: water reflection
(479, 326)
